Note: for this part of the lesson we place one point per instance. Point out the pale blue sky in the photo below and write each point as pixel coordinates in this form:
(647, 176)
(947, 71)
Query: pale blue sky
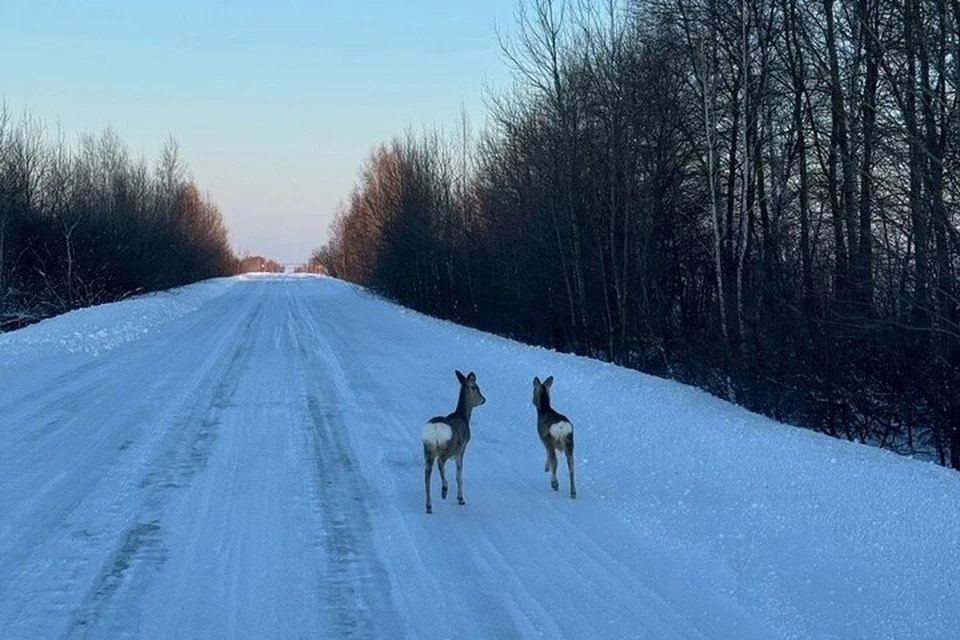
(275, 103)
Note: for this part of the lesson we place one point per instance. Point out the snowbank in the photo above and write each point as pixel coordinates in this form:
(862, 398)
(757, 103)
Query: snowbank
(94, 330)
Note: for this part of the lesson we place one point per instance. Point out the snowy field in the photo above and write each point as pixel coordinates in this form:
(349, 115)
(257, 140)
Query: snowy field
(241, 459)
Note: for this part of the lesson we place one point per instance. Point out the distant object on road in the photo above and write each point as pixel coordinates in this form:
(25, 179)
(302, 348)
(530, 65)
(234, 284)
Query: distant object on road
(249, 264)
(310, 267)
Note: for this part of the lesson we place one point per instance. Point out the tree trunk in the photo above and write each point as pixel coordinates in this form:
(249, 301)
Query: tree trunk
(919, 215)
(864, 256)
(842, 199)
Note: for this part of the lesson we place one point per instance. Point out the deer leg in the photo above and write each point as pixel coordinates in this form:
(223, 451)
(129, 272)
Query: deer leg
(443, 478)
(427, 470)
(460, 479)
(552, 461)
(546, 462)
(573, 486)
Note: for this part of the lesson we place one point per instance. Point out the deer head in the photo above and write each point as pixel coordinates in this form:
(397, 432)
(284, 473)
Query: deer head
(469, 391)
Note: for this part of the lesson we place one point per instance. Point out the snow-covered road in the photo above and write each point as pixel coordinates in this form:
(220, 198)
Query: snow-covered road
(250, 467)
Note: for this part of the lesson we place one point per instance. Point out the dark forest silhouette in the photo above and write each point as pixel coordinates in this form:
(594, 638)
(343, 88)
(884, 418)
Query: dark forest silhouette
(758, 197)
(87, 224)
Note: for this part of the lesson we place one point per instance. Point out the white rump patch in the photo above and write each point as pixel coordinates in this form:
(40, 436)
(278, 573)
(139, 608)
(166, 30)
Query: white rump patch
(436, 434)
(560, 429)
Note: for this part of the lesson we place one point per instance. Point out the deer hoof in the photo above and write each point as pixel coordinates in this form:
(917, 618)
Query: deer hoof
(573, 494)
(554, 485)
(429, 510)
(461, 502)
(443, 493)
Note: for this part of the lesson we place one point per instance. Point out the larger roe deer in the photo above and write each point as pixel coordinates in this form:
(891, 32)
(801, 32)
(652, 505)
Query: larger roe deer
(556, 433)
(446, 437)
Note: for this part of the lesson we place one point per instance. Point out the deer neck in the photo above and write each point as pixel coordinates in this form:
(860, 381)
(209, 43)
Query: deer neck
(543, 406)
(463, 407)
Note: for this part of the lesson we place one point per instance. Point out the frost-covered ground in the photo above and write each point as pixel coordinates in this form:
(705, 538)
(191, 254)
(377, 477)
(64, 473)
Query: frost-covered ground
(242, 459)
(97, 329)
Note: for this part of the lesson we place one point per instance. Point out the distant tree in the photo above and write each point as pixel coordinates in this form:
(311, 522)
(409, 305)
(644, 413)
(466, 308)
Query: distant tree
(88, 225)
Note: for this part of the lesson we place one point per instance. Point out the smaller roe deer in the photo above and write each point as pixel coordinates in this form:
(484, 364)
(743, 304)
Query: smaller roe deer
(556, 433)
(446, 437)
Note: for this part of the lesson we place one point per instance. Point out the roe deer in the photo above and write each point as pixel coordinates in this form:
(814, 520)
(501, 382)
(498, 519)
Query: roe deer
(556, 433)
(446, 437)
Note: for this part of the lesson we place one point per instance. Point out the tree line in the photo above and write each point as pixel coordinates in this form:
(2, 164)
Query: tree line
(757, 197)
(87, 224)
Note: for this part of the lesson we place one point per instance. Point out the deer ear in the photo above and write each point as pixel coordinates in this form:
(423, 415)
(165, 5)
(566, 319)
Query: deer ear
(536, 381)
(460, 377)
(548, 383)
(472, 377)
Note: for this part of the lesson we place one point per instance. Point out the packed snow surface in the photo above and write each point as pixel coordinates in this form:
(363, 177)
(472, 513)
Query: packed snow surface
(242, 459)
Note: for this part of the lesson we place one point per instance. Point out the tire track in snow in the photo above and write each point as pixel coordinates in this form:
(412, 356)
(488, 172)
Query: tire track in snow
(356, 589)
(244, 542)
(478, 610)
(78, 490)
(75, 401)
(91, 369)
(111, 599)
